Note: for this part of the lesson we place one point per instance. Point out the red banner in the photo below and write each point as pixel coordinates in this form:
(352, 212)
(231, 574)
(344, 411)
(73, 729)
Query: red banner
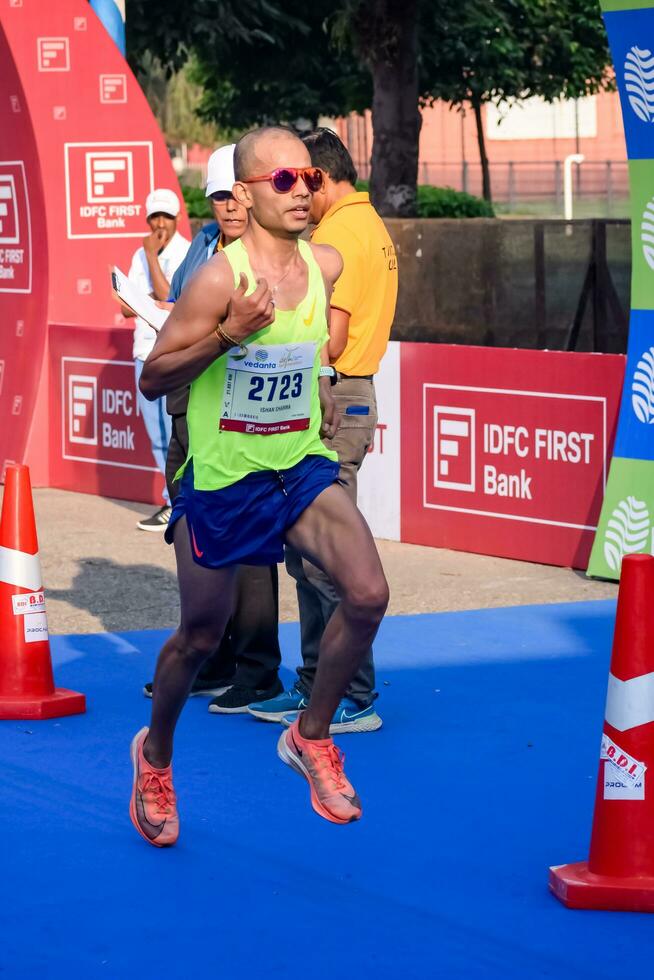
(506, 452)
(98, 442)
(79, 152)
(23, 266)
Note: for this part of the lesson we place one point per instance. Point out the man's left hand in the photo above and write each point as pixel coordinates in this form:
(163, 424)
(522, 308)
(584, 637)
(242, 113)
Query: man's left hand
(330, 415)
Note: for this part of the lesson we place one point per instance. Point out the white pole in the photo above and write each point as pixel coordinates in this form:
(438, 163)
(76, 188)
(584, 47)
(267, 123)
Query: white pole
(567, 183)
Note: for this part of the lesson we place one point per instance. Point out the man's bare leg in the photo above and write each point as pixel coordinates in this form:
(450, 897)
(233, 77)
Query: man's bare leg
(206, 597)
(333, 535)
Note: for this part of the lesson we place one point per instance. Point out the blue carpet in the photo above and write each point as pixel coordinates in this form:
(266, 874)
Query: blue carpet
(482, 776)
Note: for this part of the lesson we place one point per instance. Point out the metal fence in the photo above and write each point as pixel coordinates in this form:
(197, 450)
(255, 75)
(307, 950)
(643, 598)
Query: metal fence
(600, 188)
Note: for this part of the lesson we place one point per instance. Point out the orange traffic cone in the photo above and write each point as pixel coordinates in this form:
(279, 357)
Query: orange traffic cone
(619, 873)
(26, 683)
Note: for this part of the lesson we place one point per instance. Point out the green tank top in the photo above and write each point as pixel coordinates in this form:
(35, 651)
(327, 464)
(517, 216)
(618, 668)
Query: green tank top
(233, 401)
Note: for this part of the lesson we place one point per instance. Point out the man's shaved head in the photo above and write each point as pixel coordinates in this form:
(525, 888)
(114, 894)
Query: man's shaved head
(247, 162)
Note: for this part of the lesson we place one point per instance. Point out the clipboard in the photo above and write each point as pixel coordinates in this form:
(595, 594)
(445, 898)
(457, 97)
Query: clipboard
(138, 302)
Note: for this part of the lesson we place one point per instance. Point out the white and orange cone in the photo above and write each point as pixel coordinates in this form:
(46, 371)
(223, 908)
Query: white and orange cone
(619, 873)
(26, 682)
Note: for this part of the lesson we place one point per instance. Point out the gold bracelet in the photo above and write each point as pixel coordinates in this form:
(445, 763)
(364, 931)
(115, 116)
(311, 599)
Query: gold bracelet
(223, 336)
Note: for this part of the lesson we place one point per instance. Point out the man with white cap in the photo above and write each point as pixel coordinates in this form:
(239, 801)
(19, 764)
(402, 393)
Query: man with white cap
(152, 270)
(248, 657)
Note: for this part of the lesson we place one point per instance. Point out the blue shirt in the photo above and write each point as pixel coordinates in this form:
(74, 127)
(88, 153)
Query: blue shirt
(200, 250)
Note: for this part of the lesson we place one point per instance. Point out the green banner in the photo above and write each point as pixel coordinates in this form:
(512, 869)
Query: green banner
(627, 520)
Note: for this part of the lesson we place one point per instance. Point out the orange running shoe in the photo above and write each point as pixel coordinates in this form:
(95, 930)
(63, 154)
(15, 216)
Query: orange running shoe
(321, 763)
(153, 807)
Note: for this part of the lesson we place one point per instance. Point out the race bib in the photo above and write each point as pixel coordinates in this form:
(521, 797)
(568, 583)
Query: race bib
(269, 390)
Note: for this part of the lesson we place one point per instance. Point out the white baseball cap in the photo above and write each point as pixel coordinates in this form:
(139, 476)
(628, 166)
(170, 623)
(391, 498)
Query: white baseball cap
(162, 200)
(220, 170)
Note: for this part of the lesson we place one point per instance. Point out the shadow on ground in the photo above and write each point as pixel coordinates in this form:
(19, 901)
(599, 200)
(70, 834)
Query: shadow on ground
(123, 597)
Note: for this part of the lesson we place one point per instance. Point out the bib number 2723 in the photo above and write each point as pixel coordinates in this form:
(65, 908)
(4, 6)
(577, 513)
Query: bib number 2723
(282, 387)
(269, 391)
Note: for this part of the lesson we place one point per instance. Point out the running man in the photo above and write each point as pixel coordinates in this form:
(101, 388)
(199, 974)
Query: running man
(361, 316)
(258, 475)
(248, 657)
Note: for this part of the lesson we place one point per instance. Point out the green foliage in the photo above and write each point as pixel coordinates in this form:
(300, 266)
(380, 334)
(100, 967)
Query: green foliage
(298, 79)
(493, 50)
(445, 202)
(174, 100)
(253, 63)
(197, 204)
(210, 28)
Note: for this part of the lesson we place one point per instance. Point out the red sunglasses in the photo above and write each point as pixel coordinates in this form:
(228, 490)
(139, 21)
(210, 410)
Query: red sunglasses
(284, 179)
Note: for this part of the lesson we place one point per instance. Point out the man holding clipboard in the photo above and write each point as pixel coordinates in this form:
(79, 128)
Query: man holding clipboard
(151, 272)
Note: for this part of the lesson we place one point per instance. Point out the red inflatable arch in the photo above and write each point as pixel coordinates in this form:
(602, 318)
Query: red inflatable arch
(79, 152)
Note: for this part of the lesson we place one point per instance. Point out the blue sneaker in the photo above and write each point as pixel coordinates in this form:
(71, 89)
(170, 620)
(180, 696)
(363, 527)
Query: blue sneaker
(275, 708)
(348, 717)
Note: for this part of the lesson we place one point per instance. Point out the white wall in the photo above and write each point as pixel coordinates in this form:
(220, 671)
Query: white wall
(379, 477)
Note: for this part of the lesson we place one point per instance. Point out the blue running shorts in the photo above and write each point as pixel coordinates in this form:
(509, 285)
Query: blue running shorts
(245, 523)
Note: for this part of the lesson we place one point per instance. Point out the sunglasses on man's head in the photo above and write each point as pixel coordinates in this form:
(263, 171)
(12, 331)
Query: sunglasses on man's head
(284, 179)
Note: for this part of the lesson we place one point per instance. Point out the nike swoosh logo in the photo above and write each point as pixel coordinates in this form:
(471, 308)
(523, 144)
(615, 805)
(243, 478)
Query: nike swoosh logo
(355, 715)
(354, 800)
(309, 319)
(195, 545)
(152, 830)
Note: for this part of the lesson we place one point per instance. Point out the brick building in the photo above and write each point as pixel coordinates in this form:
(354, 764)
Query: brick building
(526, 146)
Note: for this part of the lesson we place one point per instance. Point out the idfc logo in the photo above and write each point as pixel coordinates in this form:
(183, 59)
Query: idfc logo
(53, 53)
(106, 187)
(9, 225)
(524, 456)
(454, 448)
(113, 89)
(101, 420)
(110, 177)
(15, 230)
(83, 409)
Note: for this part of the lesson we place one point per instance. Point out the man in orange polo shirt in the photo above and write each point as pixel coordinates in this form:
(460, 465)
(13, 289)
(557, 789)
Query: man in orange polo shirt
(362, 311)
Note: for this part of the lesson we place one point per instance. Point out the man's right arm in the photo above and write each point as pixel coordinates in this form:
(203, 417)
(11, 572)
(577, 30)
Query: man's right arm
(188, 342)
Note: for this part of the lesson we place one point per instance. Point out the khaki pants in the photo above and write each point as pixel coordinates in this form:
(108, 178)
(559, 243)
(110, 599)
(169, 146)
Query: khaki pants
(317, 598)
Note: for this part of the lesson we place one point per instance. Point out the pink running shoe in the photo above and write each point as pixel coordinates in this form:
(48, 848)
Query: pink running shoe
(153, 807)
(321, 763)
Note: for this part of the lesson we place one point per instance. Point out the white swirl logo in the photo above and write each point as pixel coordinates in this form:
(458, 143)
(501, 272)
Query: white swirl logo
(639, 82)
(647, 233)
(642, 388)
(627, 532)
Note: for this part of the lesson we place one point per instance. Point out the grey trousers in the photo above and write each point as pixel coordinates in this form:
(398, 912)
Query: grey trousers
(249, 653)
(317, 598)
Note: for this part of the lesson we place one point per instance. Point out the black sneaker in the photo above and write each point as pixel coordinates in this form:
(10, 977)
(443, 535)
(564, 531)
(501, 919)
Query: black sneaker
(235, 701)
(158, 521)
(200, 686)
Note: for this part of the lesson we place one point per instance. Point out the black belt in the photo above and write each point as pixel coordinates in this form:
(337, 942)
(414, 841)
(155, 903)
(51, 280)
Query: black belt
(353, 377)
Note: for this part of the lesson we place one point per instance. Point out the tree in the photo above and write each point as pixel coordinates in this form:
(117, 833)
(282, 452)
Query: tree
(255, 64)
(298, 79)
(384, 33)
(171, 32)
(175, 100)
(482, 51)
